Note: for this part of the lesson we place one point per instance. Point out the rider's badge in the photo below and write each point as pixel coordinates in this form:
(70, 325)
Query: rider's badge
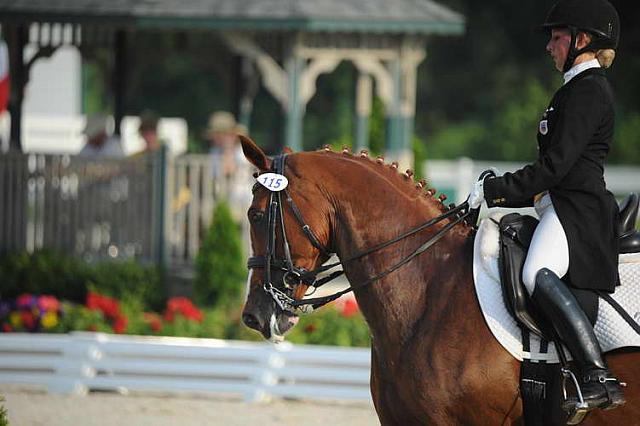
(544, 127)
(273, 181)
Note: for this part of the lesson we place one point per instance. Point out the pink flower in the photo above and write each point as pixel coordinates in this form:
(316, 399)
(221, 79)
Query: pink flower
(48, 303)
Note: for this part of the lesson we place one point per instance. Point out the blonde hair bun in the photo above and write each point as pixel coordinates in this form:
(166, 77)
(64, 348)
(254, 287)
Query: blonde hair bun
(606, 57)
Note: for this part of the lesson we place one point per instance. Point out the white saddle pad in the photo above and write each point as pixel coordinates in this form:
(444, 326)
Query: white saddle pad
(611, 329)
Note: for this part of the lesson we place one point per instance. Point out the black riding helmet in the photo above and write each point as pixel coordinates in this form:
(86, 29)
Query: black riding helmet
(596, 17)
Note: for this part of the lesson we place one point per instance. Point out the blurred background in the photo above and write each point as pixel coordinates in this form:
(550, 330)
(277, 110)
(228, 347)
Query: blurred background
(123, 190)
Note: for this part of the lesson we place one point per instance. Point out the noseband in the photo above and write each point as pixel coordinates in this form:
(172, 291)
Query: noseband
(294, 276)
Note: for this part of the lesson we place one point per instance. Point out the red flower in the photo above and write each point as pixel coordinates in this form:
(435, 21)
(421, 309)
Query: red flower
(25, 300)
(154, 320)
(6, 328)
(120, 324)
(107, 305)
(182, 306)
(350, 307)
(310, 328)
(28, 320)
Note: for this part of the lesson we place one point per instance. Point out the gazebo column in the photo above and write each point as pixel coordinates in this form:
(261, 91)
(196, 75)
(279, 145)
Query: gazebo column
(395, 143)
(119, 87)
(401, 107)
(364, 88)
(294, 110)
(411, 55)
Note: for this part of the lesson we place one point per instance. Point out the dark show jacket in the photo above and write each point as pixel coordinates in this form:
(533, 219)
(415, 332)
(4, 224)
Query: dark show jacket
(574, 137)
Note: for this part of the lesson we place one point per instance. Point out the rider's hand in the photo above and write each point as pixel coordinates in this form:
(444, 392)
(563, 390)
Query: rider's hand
(476, 197)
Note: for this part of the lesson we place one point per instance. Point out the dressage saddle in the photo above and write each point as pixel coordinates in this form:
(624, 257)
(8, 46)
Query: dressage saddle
(516, 232)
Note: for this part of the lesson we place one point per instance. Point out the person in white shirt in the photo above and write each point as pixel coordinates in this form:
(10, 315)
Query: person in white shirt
(99, 144)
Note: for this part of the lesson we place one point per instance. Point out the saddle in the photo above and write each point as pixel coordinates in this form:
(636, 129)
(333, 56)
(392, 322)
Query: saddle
(516, 232)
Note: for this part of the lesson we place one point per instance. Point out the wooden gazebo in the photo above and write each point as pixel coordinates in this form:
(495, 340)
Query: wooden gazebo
(289, 42)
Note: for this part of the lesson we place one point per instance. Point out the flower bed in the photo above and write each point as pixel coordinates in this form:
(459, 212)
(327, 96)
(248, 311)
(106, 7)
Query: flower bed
(338, 324)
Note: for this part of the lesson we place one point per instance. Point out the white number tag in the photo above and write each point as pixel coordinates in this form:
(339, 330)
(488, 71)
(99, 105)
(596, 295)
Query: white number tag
(273, 181)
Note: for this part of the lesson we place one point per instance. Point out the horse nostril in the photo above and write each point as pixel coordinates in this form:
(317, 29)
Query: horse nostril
(251, 321)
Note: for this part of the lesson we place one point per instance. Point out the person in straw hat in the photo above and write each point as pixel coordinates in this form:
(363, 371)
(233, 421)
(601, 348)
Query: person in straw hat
(222, 134)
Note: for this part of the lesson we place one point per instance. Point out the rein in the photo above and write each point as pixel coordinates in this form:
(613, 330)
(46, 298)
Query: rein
(294, 275)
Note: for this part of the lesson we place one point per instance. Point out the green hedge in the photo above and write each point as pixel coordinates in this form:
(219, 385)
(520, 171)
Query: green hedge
(68, 278)
(220, 263)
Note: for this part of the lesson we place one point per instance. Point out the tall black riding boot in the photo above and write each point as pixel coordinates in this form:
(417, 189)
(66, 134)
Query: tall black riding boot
(561, 309)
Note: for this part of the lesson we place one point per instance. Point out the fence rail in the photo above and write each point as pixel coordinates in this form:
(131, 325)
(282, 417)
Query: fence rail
(157, 207)
(81, 362)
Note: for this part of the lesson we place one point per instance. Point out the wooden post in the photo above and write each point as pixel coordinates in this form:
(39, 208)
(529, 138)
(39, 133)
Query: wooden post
(16, 37)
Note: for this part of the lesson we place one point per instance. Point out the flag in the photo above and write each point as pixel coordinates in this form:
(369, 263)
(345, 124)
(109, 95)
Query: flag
(4, 76)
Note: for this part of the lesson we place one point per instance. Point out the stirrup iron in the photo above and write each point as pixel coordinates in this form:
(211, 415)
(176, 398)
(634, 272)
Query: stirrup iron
(577, 411)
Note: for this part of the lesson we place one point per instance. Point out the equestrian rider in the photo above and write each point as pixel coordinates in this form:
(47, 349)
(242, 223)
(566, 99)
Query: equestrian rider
(576, 236)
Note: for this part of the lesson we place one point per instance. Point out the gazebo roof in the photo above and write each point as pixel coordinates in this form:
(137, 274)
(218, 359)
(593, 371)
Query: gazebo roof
(361, 16)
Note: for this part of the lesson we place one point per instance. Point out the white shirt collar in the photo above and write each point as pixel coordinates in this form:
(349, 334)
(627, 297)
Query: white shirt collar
(577, 69)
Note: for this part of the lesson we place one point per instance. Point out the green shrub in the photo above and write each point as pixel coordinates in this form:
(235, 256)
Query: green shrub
(4, 421)
(129, 280)
(220, 269)
(44, 272)
(68, 278)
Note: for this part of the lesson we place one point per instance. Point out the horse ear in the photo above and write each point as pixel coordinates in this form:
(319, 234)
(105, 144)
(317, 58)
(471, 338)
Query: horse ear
(254, 154)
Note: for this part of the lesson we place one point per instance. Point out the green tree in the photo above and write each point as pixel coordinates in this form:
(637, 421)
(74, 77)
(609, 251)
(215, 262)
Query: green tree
(220, 269)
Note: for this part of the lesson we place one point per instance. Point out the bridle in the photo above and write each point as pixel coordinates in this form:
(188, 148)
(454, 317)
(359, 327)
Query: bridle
(294, 275)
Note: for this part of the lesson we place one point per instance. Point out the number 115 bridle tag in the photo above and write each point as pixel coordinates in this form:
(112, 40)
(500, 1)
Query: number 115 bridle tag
(273, 181)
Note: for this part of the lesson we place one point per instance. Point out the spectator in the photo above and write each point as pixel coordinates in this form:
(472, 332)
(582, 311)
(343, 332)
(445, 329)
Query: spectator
(99, 144)
(148, 130)
(226, 152)
(231, 172)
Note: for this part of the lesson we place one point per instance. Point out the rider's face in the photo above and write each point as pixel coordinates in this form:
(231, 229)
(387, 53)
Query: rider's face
(558, 46)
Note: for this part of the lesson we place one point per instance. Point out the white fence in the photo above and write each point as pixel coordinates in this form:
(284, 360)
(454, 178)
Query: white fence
(456, 176)
(81, 362)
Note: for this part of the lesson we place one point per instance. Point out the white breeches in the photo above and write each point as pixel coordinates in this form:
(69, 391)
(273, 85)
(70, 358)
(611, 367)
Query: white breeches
(549, 248)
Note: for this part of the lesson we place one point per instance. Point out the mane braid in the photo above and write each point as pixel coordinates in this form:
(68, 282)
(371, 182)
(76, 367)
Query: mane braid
(404, 180)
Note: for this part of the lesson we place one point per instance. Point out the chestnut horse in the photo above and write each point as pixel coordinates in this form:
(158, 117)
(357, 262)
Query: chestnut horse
(433, 358)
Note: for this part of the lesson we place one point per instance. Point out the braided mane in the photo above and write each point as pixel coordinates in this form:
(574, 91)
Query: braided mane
(403, 181)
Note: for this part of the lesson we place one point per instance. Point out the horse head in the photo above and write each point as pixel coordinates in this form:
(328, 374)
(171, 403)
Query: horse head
(284, 243)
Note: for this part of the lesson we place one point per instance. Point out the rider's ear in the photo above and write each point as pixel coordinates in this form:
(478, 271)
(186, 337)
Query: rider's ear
(254, 154)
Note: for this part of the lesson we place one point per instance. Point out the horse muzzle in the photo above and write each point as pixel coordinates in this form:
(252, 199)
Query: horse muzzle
(268, 319)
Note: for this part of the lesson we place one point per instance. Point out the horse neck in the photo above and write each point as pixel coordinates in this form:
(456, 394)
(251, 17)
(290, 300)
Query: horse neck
(422, 290)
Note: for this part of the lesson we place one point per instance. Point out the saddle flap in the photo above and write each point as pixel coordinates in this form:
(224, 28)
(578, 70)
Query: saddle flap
(516, 232)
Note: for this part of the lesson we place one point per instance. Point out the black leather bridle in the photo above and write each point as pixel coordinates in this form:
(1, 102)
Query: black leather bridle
(293, 275)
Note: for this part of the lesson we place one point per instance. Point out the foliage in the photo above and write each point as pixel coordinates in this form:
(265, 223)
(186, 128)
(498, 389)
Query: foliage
(626, 145)
(44, 272)
(333, 325)
(220, 269)
(4, 420)
(508, 136)
(68, 278)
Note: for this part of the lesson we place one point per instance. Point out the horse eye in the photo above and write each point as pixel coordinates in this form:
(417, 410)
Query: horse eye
(256, 216)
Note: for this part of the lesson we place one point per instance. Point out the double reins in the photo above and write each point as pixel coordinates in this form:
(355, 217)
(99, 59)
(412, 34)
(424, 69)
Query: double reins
(294, 275)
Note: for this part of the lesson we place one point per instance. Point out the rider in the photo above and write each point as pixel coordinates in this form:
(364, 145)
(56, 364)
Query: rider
(566, 186)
